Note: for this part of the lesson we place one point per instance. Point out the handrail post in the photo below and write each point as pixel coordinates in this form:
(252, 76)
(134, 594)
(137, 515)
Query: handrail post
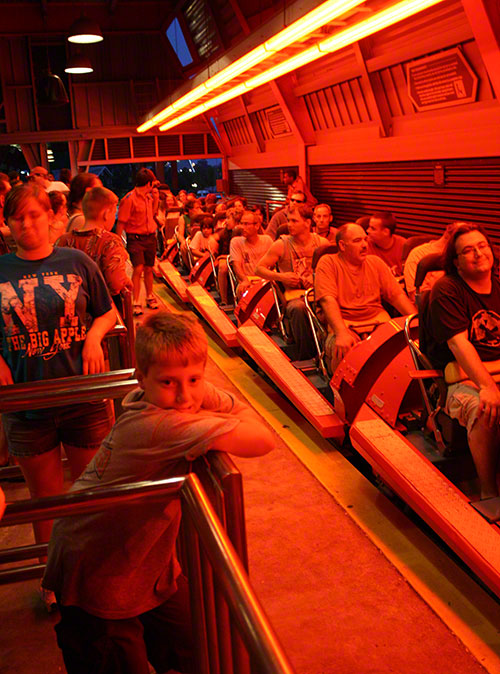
(263, 646)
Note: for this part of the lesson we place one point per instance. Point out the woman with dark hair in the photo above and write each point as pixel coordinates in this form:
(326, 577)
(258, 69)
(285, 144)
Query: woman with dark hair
(55, 311)
(77, 189)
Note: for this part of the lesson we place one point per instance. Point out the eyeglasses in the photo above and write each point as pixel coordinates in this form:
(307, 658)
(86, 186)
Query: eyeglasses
(470, 251)
(41, 175)
(297, 201)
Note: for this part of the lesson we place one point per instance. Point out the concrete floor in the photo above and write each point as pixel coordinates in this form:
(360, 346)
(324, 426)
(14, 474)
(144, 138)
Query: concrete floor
(336, 602)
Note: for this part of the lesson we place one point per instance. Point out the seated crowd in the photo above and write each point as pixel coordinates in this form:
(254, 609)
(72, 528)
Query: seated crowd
(359, 276)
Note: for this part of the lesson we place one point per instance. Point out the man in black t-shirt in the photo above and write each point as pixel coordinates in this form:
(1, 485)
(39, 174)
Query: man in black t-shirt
(463, 325)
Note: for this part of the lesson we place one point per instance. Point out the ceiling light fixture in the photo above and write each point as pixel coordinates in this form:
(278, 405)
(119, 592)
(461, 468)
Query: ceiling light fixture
(79, 64)
(85, 31)
(343, 38)
(318, 17)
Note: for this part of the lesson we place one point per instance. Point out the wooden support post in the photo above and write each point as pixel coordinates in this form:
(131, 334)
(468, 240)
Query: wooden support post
(375, 99)
(484, 19)
(73, 157)
(258, 141)
(174, 176)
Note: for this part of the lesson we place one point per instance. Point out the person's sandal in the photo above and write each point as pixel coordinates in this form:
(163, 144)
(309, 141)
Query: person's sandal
(137, 310)
(151, 303)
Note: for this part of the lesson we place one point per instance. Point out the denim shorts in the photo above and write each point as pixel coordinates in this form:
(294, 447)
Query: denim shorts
(84, 426)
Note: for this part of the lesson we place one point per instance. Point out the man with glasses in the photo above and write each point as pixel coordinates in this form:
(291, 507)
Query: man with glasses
(462, 326)
(281, 217)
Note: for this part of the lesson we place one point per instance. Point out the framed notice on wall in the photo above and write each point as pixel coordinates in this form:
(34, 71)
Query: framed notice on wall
(277, 122)
(441, 80)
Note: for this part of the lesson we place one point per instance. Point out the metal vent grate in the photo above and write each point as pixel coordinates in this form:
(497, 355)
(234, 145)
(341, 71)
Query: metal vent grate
(98, 151)
(193, 144)
(118, 148)
(169, 145)
(212, 146)
(237, 131)
(144, 146)
(339, 105)
(202, 27)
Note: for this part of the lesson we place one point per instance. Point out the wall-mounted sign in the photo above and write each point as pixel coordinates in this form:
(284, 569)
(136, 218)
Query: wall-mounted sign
(277, 122)
(441, 80)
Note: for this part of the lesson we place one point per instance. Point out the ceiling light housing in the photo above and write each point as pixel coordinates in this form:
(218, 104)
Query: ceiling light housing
(85, 31)
(79, 65)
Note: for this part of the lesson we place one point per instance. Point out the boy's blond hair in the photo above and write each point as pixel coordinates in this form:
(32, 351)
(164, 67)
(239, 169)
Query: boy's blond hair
(165, 336)
(96, 200)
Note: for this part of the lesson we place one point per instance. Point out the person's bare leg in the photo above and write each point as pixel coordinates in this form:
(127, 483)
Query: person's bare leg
(136, 282)
(222, 275)
(78, 459)
(148, 280)
(484, 446)
(44, 477)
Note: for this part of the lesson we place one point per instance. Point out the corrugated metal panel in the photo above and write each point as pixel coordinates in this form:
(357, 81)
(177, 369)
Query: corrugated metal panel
(237, 131)
(169, 145)
(118, 148)
(407, 189)
(258, 185)
(143, 146)
(193, 144)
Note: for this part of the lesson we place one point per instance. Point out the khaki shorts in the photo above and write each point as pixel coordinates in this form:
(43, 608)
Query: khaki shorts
(462, 403)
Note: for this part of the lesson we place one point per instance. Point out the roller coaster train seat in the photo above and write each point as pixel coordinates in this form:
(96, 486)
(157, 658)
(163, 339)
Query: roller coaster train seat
(314, 312)
(204, 271)
(282, 229)
(318, 323)
(233, 279)
(432, 262)
(449, 436)
(171, 252)
(257, 304)
(413, 242)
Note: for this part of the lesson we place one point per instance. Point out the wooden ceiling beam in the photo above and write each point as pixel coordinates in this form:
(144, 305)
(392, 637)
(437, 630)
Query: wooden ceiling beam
(131, 16)
(240, 16)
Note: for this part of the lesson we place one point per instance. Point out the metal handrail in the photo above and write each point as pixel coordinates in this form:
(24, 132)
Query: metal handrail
(202, 525)
(263, 646)
(66, 390)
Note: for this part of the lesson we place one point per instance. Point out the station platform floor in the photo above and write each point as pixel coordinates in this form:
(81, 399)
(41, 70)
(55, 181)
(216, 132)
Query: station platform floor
(348, 582)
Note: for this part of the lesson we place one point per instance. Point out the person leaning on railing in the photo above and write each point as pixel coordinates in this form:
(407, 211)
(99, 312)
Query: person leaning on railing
(120, 589)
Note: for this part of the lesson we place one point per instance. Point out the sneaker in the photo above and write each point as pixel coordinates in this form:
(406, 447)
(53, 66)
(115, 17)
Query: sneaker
(151, 303)
(49, 599)
(137, 310)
